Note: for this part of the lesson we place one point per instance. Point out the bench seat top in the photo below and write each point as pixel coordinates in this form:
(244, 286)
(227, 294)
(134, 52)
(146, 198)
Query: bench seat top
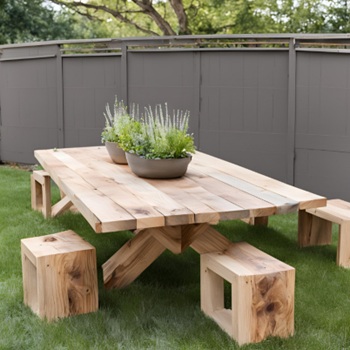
(242, 259)
(337, 211)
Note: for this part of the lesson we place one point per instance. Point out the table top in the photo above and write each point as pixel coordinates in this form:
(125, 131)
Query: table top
(112, 198)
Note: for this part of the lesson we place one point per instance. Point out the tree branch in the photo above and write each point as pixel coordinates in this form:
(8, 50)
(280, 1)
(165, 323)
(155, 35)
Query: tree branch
(147, 7)
(90, 17)
(114, 13)
(181, 16)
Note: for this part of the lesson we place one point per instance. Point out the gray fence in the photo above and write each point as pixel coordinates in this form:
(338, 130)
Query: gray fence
(282, 108)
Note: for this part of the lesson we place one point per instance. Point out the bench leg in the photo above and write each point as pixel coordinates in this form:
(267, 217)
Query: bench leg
(41, 192)
(313, 230)
(343, 253)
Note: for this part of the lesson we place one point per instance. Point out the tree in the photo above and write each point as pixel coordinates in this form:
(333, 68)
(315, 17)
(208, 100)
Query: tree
(29, 20)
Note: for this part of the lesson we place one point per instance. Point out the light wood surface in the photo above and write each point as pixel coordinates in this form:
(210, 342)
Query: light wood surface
(318, 228)
(41, 192)
(262, 293)
(59, 275)
(112, 198)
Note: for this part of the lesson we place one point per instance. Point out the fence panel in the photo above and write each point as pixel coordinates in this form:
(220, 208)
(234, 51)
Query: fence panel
(244, 109)
(89, 83)
(28, 90)
(164, 77)
(323, 123)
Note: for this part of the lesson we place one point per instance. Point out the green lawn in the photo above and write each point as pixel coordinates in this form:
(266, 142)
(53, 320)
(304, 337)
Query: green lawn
(161, 309)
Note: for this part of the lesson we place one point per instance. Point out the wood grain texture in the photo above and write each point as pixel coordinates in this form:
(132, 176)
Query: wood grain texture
(256, 206)
(131, 260)
(59, 275)
(262, 293)
(257, 221)
(283, 204)
(337, 211)
(313, 230)
(101, 212)
(306, 199)
(112, 198)
(343, 254)
(41, 192)
(61, 207)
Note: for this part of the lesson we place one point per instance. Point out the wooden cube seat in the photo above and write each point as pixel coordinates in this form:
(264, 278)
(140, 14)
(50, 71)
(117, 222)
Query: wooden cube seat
(319, 230)
(262, 293)
(59, 275)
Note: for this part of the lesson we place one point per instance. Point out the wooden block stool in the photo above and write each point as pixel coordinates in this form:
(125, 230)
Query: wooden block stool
(262, 293)
(316, 228)
(59, 275)
(41, 192)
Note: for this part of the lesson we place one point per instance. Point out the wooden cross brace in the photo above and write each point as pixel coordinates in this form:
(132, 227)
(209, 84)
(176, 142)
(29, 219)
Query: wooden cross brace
(138, 253)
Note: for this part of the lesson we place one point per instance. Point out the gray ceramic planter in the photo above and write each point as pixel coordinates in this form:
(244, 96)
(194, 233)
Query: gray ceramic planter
(157, 168)
(116, 153)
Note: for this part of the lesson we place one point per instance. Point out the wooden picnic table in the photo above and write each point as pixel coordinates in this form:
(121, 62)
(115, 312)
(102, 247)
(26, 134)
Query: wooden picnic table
(166, 214)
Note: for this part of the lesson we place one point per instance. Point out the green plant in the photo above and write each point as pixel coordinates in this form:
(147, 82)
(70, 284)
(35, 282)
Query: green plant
(157, 136)
(114, 123)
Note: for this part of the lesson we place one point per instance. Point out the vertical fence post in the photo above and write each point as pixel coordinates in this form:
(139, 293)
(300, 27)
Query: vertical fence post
(196, 97)
(291, 112)
(60, 116)
(124, 72)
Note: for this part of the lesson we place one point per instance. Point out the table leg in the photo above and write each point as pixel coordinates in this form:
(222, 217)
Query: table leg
(313, 230)
(137, 254)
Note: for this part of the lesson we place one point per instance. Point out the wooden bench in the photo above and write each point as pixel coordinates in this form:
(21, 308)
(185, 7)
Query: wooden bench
(262, 293)
(59, 275)
(41, 196)
(318, 228)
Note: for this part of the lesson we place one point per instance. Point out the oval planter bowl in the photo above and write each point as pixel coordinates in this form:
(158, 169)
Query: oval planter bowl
(116, 153)
(157, 168)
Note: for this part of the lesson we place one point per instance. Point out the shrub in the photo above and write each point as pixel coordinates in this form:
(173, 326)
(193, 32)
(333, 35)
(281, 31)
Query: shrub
(115, 122)
(157, 136)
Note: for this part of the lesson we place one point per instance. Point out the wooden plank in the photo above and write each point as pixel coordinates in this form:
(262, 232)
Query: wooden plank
(169, 237)
(145, 215)
(343, 254)
(256, 206)
(210, 241)
(313, 230)
(177, 238)
(261, 221)
(190, 233)
(39, 176)
(30, 294)
(206, 206)
(329, 213)
(284, 205)
(174, 212)
(201, 212)
(46, 189)
(36, 194)
(212, 289)
(61, 207)
(131, 260)
(223, 318)
(306, 199)
(90, 202)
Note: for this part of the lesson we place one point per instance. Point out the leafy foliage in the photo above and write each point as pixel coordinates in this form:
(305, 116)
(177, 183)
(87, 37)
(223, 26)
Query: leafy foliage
(115, 123)
(155, 137)
(31, 20)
